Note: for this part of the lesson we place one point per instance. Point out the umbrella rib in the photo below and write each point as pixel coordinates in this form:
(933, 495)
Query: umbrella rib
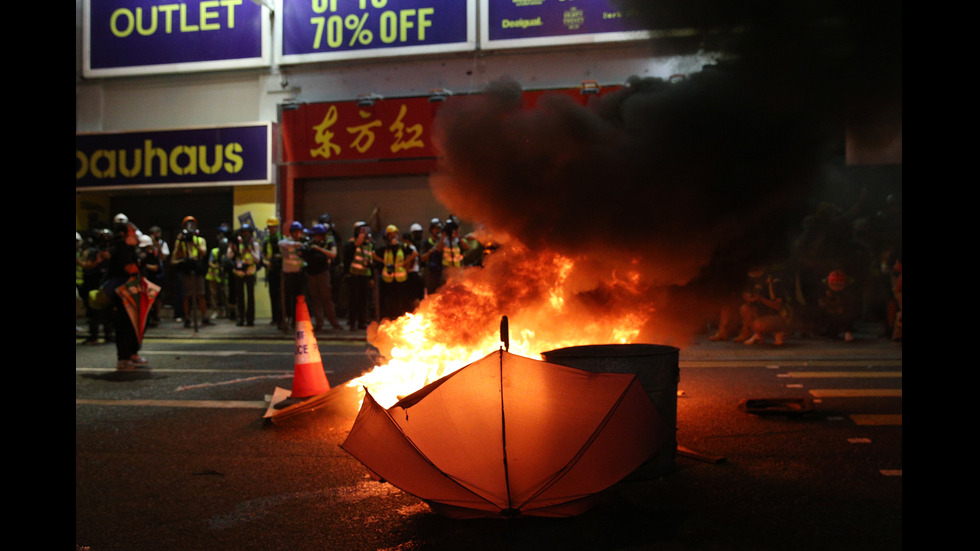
(503, 431)
(588, 443)
(419, 452)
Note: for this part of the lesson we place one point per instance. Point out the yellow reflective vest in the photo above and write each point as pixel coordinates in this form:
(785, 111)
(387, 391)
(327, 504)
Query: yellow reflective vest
(361, 263)
(396, 261)
(452, 256)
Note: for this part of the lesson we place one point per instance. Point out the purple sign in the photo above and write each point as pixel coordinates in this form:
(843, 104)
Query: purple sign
(545, 22)
(316, 30)
(146, 36)
(203, 156)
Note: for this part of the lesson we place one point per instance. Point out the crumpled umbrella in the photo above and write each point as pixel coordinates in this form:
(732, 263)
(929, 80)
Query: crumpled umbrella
(137, 295)
(508, 435)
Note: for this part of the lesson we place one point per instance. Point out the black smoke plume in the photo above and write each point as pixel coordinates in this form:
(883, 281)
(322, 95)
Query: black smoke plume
(690, 179)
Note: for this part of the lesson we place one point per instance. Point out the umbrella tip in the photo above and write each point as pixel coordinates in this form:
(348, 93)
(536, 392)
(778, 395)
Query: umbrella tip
(504, 333)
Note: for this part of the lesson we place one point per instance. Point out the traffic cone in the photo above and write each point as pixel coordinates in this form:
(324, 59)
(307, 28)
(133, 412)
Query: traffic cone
(309, 379)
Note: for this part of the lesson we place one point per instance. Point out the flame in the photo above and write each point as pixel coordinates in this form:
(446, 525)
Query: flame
(541, 295)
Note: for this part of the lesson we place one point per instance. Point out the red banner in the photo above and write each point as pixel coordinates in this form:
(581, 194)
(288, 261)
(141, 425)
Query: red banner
(352, 130)
(380, 129)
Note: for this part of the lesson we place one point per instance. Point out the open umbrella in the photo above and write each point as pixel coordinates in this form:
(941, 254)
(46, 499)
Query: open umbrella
(137, 295)
(508, 435)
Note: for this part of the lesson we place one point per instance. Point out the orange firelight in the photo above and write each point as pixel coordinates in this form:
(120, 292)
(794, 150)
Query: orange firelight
(541, 294)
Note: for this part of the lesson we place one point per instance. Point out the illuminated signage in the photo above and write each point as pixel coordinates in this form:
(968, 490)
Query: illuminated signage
(326, 30)
(524, 23)
(351, 130)
(195, 156)
(131, 37)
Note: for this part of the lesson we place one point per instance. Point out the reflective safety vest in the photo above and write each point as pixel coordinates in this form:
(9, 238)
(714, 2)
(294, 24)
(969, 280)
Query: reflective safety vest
(452, 256)
(215, 273)
(270, 250)
(361, 263)
(79, 269)
(400, 273)
(192, 249)
(245, 263)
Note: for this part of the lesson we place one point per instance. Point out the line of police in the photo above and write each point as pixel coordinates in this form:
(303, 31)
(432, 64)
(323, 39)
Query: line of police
(366, 278)
(381, 278)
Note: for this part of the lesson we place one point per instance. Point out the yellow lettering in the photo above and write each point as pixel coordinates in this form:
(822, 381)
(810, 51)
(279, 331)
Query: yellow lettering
(320, 6)
(184, 27)
(169, 10)
(405, 23)
(233, 154)
(324, 136)
(145, 21)
(182, 160)
(110, 169)
(207, 13)
(149, 153)
(424, 21)
(190, 168)
(202, 159)
(365, 136)
(114, 23)
(230, 4)
(82, 159)
(388, 27)
(398, 129)
(139, 22)
(127, 171)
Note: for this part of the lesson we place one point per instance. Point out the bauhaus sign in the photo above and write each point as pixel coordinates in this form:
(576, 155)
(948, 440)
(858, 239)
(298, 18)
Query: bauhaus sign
(225, 155)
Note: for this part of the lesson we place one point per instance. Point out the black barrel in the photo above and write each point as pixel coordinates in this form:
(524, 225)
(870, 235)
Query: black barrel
(658, 369)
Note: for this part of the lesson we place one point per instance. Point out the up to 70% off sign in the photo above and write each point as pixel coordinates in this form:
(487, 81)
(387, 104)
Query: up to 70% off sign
(394, 26)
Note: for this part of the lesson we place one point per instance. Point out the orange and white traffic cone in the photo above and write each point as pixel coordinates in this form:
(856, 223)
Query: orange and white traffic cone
(309, 379)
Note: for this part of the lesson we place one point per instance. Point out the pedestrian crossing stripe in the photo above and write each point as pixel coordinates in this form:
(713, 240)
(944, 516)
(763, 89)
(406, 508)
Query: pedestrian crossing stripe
(220, 404)
(877, 420)
(856, 393)
(842, 375)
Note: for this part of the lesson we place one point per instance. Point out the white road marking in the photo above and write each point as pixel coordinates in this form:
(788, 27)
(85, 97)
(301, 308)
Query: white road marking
(220, 404)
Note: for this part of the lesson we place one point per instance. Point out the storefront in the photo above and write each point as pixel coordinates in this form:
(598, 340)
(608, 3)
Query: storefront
(219, 175)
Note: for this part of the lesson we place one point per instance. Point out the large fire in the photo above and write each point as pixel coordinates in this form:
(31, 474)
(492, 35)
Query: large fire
(542, 297)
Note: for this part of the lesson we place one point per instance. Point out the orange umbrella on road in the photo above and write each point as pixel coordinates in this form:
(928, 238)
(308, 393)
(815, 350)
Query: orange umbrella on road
(508, 436)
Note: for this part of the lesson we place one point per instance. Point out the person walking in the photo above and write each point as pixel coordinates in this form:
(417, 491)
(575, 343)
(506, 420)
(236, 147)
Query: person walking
(123, 264)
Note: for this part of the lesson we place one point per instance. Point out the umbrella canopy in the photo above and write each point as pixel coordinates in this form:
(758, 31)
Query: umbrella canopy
(509, 435)
(137, 295)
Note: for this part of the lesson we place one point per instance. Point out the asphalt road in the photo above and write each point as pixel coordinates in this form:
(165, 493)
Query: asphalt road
(178, 456)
